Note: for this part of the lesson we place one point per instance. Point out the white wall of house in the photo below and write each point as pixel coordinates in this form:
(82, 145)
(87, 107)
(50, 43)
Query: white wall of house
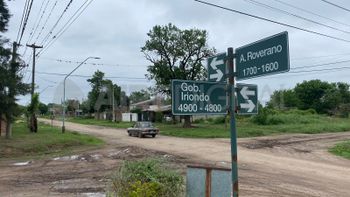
(127, 117)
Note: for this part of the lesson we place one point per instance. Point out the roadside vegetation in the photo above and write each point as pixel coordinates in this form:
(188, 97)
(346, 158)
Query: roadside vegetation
(104, 123)
(272, 123)
(49, 141)
(341, 149)
(146, 178)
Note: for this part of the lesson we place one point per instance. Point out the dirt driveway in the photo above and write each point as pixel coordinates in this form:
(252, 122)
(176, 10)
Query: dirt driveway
(288, 165)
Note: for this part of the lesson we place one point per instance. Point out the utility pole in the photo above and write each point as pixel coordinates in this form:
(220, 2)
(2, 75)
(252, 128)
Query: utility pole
(33, 120)
(113, 103)
(33, 70)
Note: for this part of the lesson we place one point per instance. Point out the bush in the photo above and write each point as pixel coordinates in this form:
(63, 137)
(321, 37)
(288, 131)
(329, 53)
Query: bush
(159, 117)
(200, 120)
(219, 120)
(146, 178)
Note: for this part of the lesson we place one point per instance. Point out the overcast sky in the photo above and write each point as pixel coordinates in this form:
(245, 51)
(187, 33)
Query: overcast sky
(115, 31)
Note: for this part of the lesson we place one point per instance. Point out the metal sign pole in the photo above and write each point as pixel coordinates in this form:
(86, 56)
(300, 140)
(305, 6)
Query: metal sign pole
(230, 65)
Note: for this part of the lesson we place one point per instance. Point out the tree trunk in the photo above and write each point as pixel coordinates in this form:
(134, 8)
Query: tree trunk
(187, 121)
(8, 129)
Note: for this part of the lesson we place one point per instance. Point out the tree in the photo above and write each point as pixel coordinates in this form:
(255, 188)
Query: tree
(176, 54)
(139, 96)
(4, 16)
(100, 97)
(310, 93)
(31, 109)
(10, 74)
(282, 99)
(43, 109)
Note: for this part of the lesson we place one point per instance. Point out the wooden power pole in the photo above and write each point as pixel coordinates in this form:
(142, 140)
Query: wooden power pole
(33, 70)
(33, 120)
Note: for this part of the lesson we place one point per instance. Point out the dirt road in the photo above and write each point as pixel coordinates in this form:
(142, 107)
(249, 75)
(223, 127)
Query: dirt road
(288, 165)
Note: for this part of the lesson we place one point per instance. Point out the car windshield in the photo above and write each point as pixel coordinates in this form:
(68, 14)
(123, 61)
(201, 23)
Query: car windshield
(145, 124)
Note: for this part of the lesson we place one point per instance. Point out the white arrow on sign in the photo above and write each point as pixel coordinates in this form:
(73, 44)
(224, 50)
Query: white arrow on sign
(218, 75)
(245, 92)
(250, 106)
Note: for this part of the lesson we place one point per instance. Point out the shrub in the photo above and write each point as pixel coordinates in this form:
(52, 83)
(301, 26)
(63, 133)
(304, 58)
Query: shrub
(200, 120)
(159, 117)
(219, 120)
(146, 178)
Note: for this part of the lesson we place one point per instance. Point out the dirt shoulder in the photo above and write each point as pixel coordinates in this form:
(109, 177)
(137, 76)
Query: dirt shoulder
(288, 165)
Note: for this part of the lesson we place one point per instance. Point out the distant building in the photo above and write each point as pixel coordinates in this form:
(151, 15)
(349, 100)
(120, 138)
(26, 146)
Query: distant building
(148, 109)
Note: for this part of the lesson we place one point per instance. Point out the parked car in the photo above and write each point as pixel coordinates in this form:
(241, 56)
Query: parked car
(142, 129)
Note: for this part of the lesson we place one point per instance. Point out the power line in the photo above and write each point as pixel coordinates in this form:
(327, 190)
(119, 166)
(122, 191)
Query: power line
(78, 13)
(33, 30)
(58, 20)
(47, 19)
(319, 65)
(321, 56)
(88, 76)
(22, 19)
(272, 21)
(338, 6)
(38, 22)
(295, 15)
(79, 62)
(28, 8)
(312, 13)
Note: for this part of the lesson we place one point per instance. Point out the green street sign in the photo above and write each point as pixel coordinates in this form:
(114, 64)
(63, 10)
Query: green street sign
(247, 99)
(264, 57)
(198, 97)
(217, 68)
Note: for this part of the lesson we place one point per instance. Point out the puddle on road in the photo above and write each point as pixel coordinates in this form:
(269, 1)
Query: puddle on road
(92, 194)
(93, 157)
(23, 163)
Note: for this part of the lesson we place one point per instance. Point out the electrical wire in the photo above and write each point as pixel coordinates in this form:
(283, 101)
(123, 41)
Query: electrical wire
(338, 6)
(55, 25)
(88, 76)
(47, 19)
(77, 14)
(87, 63)
(321, 56)
(273, 21)
(22, 19)
(38, 23)
(294, 15)
(25, 21)
(32, 32)
(312, 13)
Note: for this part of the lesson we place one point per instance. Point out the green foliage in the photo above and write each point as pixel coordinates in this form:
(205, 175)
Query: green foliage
(100, 97)
(43, 108)
(219, 120)
(139, 96)
(341, 149)
(176, 54)
(282, 99)
(47, 142)
(5, 16)
(159, 117)
(146, 178)
(33, 107)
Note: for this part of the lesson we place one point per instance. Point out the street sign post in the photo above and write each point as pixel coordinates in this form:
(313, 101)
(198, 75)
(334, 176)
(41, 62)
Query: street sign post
(217, 68)
(198, 97)
(247, 99)
(264, 57)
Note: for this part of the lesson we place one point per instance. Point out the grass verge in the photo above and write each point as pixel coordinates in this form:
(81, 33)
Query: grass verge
(246, 128)
(104, 123)
(48, 141)
(341, 149)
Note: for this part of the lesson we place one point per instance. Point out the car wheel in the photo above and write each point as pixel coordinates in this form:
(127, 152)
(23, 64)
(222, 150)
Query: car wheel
(129, 133)
(153, 135)
(140, 135)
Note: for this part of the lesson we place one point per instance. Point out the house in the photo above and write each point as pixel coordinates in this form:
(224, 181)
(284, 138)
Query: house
(148, 110)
